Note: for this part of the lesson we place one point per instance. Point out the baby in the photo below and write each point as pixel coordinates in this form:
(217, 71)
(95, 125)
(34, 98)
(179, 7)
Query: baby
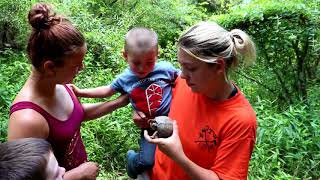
(149, 84)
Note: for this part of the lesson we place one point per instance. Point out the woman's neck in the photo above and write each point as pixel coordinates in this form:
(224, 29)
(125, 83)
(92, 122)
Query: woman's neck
(42, 86)
(221, 91)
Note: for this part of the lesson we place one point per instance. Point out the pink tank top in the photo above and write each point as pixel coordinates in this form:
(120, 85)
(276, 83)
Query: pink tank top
(64, 136)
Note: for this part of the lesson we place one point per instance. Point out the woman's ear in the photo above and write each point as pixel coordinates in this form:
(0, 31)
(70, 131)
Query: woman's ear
(49, 68)
(220, 65)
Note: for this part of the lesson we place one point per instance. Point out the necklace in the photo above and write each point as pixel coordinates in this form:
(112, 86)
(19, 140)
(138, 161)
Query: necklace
(233, 92)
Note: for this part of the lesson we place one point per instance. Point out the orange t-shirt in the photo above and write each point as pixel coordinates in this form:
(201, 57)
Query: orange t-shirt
(216, 135)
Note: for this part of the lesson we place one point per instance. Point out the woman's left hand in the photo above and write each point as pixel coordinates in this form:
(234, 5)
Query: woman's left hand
(171, 146)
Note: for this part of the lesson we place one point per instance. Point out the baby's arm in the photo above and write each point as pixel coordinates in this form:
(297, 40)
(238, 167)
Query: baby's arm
(98, 92)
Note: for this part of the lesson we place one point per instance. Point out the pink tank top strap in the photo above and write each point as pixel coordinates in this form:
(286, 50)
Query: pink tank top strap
(29, 105)
(72, 95)
(77, 109)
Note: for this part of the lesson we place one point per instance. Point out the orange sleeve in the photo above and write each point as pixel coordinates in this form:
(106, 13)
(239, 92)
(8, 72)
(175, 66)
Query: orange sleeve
(234, 152)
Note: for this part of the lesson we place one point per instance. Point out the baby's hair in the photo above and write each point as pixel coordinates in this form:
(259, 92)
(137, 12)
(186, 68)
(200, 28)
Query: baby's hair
(207, 41)
(52, 37)
(140, 39)
(24, 159)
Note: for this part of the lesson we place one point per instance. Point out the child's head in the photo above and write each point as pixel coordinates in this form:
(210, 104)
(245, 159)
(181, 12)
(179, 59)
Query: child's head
(28, 158)
(141, 50)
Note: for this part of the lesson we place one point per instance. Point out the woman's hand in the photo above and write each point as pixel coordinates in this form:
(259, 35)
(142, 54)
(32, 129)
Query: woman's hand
(140, 119)
(171, 146)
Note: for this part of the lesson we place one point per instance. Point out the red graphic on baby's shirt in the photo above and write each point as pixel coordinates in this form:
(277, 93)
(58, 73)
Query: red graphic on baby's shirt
(147, 100)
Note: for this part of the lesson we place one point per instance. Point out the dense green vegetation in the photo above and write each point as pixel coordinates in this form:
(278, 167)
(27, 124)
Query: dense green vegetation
(283, 85)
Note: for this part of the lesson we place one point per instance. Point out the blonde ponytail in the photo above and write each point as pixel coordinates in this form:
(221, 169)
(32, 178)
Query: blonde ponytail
(244, 48)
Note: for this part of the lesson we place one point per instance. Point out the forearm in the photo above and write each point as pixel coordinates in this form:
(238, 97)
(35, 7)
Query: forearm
(96, 110)
(99, 92)
(72, 175)
(194, 171)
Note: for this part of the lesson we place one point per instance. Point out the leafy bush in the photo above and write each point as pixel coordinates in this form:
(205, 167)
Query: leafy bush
(13, 74)
(13, 27)
(288, 138)
(282, 85)
(287, 38)
(288, 142)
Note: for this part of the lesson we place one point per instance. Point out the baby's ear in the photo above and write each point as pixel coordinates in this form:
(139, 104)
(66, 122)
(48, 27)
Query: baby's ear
(125, 54)
(158, 52)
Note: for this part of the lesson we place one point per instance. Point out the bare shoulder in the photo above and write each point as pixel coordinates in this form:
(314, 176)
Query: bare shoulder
(27, 123)
(25, 94)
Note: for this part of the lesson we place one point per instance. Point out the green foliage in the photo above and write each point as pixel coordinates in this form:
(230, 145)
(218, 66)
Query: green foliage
(13, 23)
(106, 23)
(109, 138)
(149, 13)
(288, 142)
(217, 6)
(287, 39)
(14, 70)
(288, 139)
(286, 72)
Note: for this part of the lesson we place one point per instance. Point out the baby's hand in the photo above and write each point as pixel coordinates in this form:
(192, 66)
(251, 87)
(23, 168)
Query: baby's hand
(75, 90)
(140, 119)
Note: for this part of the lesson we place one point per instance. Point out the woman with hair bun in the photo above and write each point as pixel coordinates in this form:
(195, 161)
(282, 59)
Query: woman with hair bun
(215, 126)
(46, 106)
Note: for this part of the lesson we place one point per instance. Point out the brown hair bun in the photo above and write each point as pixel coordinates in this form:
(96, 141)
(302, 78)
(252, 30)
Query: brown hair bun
(42, 17)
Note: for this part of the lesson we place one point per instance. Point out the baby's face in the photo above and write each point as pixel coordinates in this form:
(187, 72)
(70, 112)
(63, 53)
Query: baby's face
(142, 63)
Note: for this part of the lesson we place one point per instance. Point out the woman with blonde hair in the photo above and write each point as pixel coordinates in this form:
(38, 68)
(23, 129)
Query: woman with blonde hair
(215, 126)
